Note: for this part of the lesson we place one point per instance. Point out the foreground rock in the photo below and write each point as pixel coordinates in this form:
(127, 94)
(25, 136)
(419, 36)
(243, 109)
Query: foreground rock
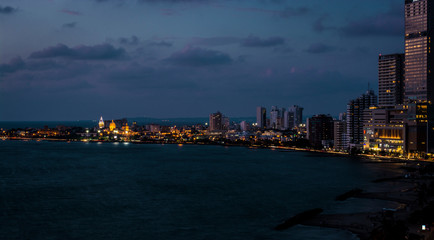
(299, 218)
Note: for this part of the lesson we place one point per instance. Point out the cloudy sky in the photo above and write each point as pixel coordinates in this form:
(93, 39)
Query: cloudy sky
(79, 59)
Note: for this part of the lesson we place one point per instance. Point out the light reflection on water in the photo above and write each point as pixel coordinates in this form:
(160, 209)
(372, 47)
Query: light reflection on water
(135, 191)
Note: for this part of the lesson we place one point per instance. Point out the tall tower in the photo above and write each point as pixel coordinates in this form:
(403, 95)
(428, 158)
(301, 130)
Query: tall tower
(288, 120)
(319, 129)
(261, 117)
(101, 123)
(276, 117)
(390, 79)
(216, 122)
(419, 78)
(298, 115)
(355, 116)
(418, 57)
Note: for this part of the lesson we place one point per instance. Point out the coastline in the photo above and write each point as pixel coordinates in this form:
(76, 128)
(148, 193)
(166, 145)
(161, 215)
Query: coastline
(410, 191)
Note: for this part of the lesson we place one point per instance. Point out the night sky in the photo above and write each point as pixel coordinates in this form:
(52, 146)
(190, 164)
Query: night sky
(80, 59)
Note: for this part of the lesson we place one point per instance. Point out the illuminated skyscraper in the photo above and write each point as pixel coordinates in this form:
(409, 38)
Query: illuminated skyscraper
(419, 82)
(390, 79)
(418, 78)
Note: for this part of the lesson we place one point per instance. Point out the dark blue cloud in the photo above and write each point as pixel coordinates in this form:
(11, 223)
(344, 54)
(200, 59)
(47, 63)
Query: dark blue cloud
(199, 57)
(7, 10)
(71, 12)
(319, 26)
(14, 65)
(69, 25)
(215, 41)
(390, 23)
(173, 1)
(291, 12)
(284, 13)
(272, 1)
(160, 44)
(97, 52)
(133, 40)
(317, 48)
(258, 42)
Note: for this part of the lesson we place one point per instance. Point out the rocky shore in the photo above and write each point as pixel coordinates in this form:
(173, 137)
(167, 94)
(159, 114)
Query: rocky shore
(412, 186)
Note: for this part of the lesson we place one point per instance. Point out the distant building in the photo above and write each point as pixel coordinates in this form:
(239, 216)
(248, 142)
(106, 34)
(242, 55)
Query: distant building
(153, 128)
(119, 123)
(355, 117)
(298, 115)
(218, 122)
(320, 129)
(288, 120)
(101, 123)
(244, 126)
(261, 117)
(112, 126)
(343, 116)
(226, 123)
(390, 79)
(276, 118)
(340, 133)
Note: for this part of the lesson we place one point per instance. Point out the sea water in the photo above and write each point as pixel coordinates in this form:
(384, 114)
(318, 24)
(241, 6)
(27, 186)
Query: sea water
(59, 190)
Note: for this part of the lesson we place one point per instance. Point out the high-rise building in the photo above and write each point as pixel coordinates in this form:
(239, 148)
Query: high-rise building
(226, 123)
(298, 115)
(261, 117)
(419, 82)
(288, 120)
(244, 126)
(320, 129)
(217, 122)
(418, 20)
(343, 116)
(417, 139)
(390, 79)
(340, 132)
(355, 117)
(275, 118)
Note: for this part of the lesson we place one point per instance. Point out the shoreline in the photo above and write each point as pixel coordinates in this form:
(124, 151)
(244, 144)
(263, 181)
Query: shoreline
(409, 192)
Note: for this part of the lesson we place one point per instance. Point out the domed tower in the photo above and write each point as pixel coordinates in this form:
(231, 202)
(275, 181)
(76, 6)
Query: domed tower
(112, 126)
(101, 123)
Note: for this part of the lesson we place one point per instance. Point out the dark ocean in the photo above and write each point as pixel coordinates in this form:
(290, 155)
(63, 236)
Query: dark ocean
(56, 190)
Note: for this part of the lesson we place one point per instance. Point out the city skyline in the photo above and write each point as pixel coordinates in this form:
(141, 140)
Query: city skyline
(79, 60)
